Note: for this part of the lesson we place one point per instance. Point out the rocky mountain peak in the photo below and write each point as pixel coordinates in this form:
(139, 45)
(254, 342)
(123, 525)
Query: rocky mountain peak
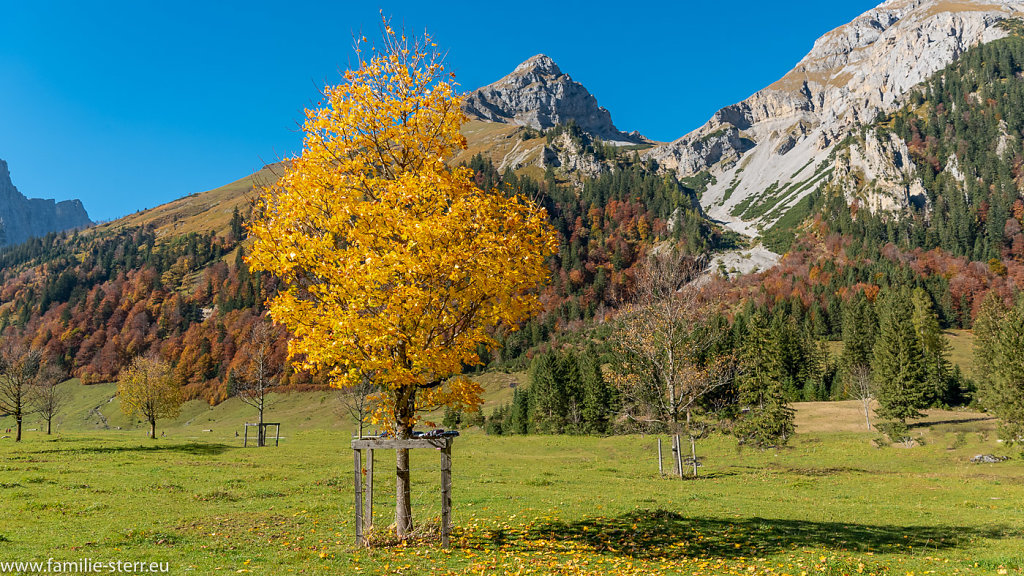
(538, 94)
(772, 149)
(23, 218)
(539, 64)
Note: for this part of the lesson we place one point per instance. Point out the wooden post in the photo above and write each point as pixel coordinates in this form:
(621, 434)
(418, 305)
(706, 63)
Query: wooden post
(446, 494)
(693, 455)
(245, 441)
(679, 456)
(364, 517)
(359, 497)
(368, 491)
(661, 468)
(675, 454)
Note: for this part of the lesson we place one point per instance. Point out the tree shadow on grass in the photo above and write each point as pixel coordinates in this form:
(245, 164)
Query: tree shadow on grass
(930, 423)
(193, 448)
(664, 535)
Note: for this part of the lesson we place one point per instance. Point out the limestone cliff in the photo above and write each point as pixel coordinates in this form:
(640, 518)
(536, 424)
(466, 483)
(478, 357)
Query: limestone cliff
(769, 151)
(23, 218)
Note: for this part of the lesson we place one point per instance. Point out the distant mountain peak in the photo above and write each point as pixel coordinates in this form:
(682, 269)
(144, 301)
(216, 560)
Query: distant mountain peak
(538, 94)
(541, 63)
(23, 218)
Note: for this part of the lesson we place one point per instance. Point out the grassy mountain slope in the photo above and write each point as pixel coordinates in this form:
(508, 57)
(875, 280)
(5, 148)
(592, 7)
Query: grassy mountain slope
(200, 212)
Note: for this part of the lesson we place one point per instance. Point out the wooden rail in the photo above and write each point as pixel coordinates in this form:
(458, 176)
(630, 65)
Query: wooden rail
(364, 490)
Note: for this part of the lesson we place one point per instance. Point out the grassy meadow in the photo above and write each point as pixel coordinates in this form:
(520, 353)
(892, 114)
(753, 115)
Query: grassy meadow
(834, 502)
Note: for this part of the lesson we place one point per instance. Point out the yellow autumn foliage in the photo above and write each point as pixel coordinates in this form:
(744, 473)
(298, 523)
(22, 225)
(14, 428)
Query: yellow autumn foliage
(395, 265)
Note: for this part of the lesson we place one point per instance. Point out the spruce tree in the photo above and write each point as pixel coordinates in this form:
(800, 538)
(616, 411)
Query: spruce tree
(898, 367)
(597, 395)
(1002, 391)
(859, 331)
(519, 414)
(767, 419)
(986, 334)
(935, 350)
(547, 395)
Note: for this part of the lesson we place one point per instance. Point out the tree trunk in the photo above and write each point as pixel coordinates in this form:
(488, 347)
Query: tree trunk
(261, 436)
(867, 415)
(17, 418)
(403, 495)
(48, 425)
(152, 428)
(405, 410)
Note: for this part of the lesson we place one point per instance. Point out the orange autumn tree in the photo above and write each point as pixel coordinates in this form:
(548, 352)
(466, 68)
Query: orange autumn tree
(395, 266)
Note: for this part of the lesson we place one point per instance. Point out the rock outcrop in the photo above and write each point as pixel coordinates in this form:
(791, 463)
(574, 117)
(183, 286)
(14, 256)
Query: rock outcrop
(23, 218)
(538, 94)
(783, 137)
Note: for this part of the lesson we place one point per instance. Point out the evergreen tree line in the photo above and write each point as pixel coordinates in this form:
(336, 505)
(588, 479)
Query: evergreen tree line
(895, 341)
(567, 394)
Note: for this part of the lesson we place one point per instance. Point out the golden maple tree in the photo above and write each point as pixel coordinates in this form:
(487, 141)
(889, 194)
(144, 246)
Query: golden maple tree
(395, 266)
(147, 388)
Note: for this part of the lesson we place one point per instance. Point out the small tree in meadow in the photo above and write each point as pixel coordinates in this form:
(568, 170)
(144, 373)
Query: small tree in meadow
(663, 365)
(49, 396)
(860, 386)
(259, 375)
(19, 369)
(148, 389)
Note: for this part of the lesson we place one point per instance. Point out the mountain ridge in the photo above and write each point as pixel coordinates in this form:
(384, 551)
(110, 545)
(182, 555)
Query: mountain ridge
(23, 218)
(768, 152)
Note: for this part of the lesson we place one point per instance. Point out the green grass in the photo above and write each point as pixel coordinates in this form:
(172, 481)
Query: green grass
(961, 352)
(554, 505)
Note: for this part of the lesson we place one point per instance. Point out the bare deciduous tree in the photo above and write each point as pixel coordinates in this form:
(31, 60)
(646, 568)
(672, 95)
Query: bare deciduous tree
(355, 402)
(49, 396)
(665, 368)
(19, 367)
(861, 386)
(260, 375)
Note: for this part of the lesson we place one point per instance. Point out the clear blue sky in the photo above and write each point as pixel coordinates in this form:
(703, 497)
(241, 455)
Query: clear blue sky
(127, 105)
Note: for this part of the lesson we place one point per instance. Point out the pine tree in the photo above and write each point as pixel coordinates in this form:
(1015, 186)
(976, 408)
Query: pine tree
(767, 419)
(935, 349)
(547, 395)
(986, 334)
(597, 395)
(1002, 390)
(859, 332)
(572, 387)
(898, 367)
(237, 226)
(519, 416)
